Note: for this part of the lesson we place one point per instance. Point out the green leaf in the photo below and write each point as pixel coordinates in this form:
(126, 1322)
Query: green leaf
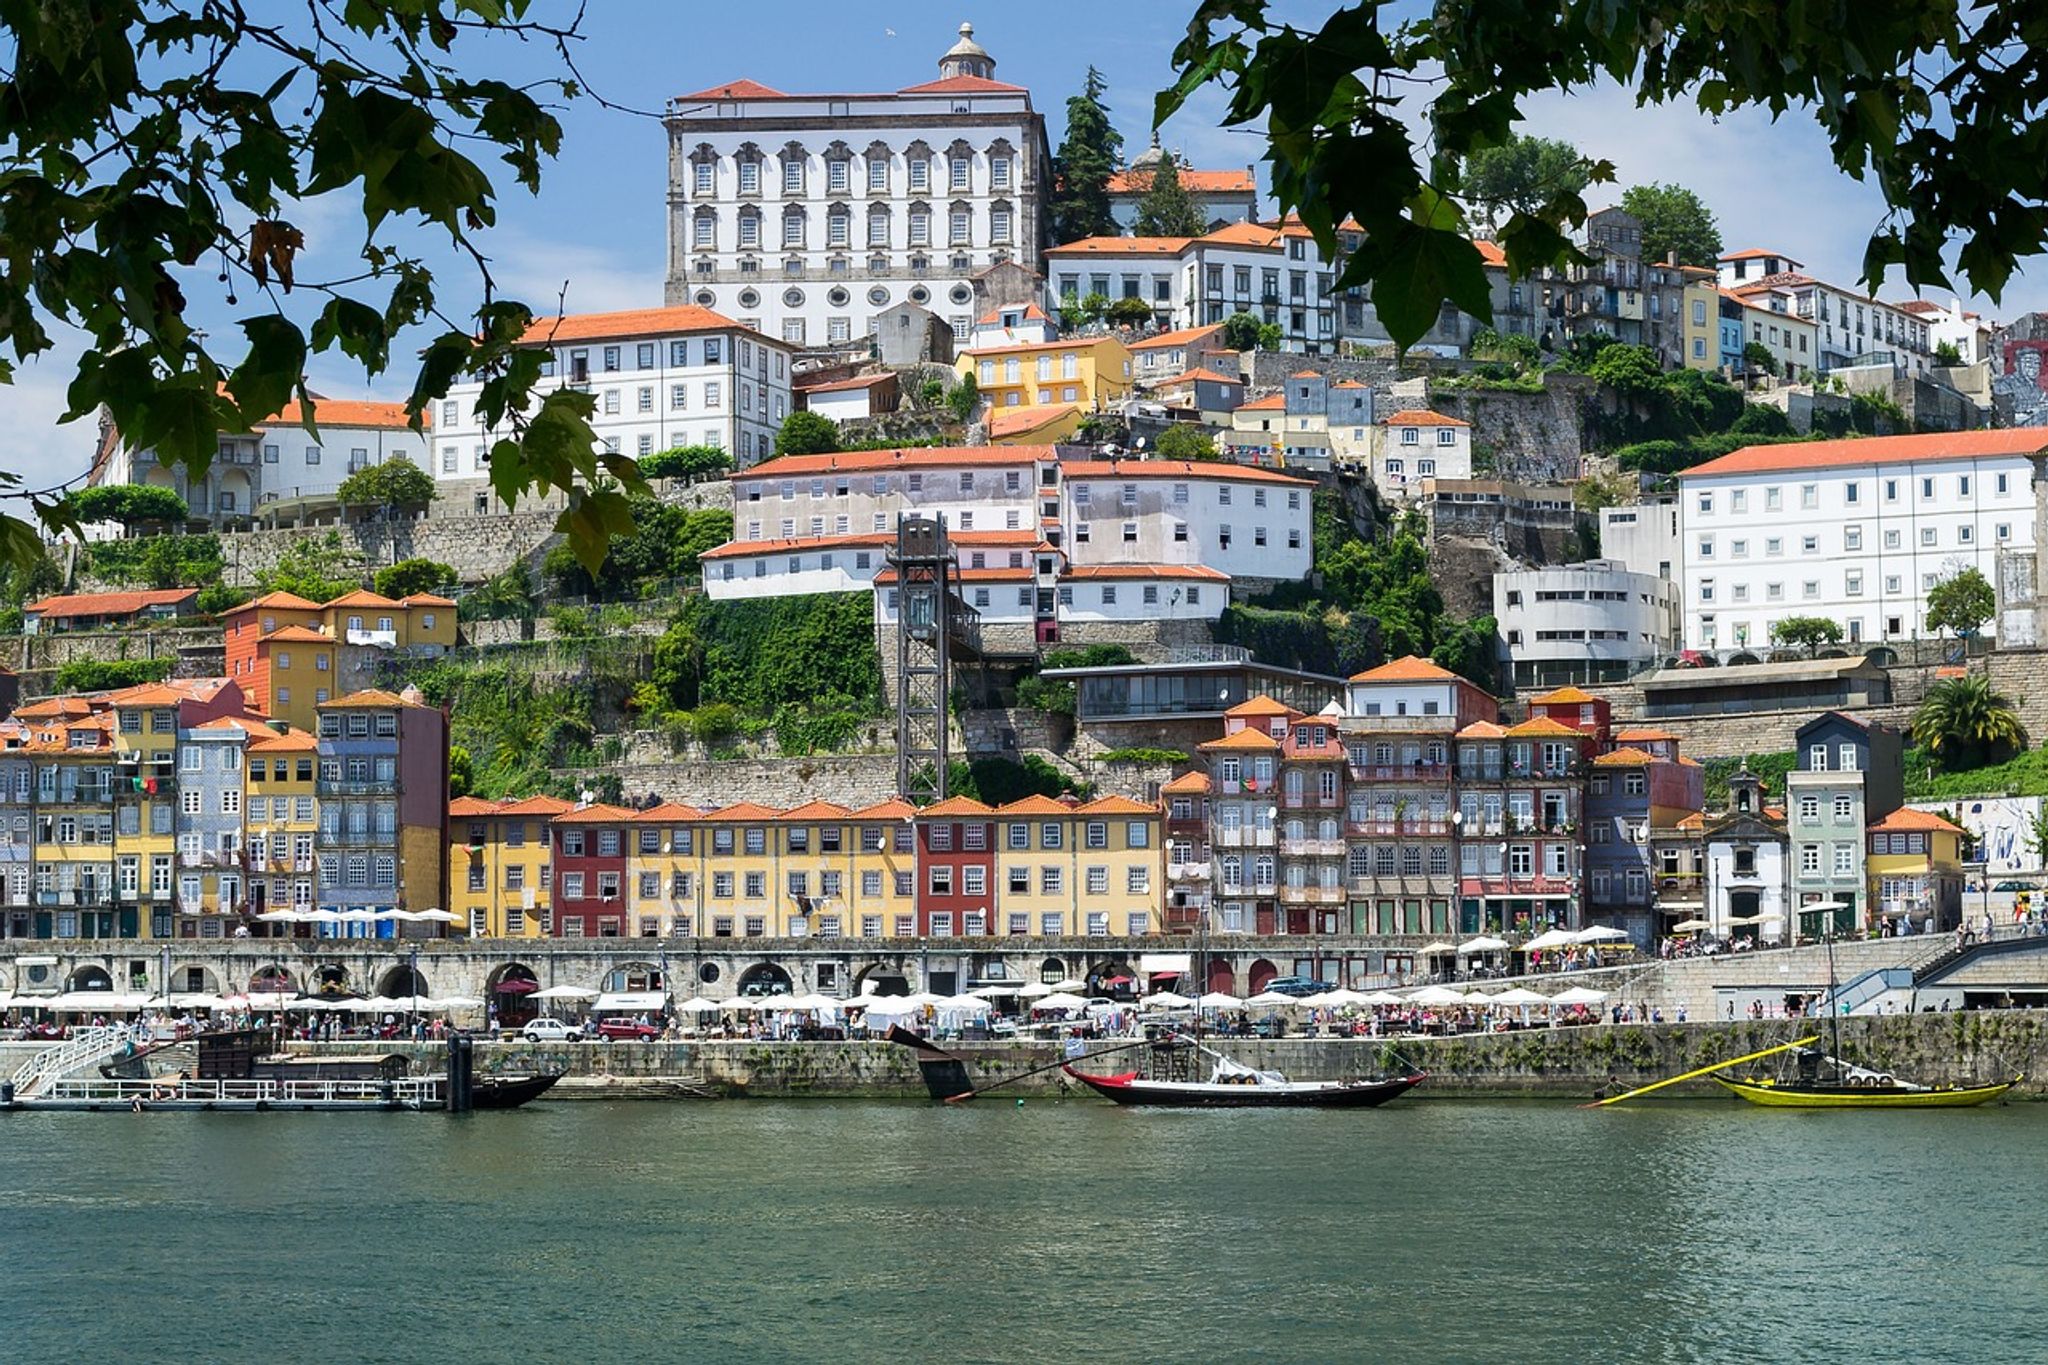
(1414, 269)
(275, 365)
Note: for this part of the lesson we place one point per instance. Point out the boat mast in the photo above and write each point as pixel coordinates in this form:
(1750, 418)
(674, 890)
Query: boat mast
(1834, 1014)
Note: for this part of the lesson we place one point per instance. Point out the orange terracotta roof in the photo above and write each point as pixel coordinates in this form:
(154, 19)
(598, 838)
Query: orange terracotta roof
(1752, 253)
(1188, 782)
(1543, 725)
(1247, 738)
(299, 634)
(1872, 450)
(1134, 181)
(248, 725)
(1244, 234)
(1623, 758)
(293, 741)
(1420, 417)
(636, 322)
(858, 381)
(1306, 374)
(895, 808)
(426, 599)
(816, 810)
(1115, 805)
(1010, 421)
(362, 597)
(1122, 246)
(1685, 762)
(963, 85)
(669, 813)
(744, 810)
(1906, 818)
(1261, 705)
(167, 693)
(1032, 313)
(1637, 735)
(594, 815)
(1490, 253)
(537, 805)
(1412, 668)
(1191, 376)
(108, 603)
(1482, 729)
(1564, 696)
(369, 696)
(1179, 337)
(885, 461)
(1347, 384)
(955, 805)
(1001, 573)
(736, 90)
(1020, 347)
(53, 708)
(1201, 572)
(274, 601)
(345, 412)
(1694, 821)
(1272, 402)
(1034, 805)
(467, 807)
(1177, 469)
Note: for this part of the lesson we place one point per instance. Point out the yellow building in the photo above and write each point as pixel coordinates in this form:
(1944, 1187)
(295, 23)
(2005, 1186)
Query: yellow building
(1701, 330)
(498, 871)
(1916, 869)
(296, 664)
(664, 864)
(1096, 868)
(814, 870)
(424, 621)
(1090, 371)
(282, 820)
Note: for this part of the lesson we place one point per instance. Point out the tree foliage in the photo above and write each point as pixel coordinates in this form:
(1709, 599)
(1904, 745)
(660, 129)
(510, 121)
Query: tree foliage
(1965, 722)
(172, 561)
(1087, 156)
(1241, 332)
(395, 483)
(964, 397)
(663, 546)
(1962, 602)
(130, 504)
(1676, 220)
(807, 433)
(757, 655)
(1521, 175)
(1809, 632)
(104, 675)
(318, 569)
(1186, 441)
(410, 576)
(1936, 105)
(1167, 210)
(690, 463)
(1130, 312)
(148, 148)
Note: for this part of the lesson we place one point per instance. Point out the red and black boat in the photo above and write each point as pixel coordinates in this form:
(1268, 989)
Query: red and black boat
(1231, 1086)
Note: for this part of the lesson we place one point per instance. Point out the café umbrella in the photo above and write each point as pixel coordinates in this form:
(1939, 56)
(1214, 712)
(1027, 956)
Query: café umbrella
(1578, 995)
(1690, 926)
(1220, 1000)
(1482, 944)
(1548, 939)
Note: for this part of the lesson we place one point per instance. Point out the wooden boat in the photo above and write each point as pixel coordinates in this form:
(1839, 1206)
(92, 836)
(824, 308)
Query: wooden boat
(1264, 1090)
(509, 1092)
(1853, 1087)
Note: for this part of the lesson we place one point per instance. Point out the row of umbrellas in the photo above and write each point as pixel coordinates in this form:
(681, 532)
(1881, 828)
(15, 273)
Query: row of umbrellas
(1549, 938)
(122, 1002)
(1348, 999)
(363, 916)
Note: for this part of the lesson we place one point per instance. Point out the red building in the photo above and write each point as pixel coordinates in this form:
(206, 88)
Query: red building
(590, 848)
(956, 868)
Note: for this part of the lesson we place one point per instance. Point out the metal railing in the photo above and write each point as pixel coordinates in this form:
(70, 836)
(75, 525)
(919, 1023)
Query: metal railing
(84, 1047)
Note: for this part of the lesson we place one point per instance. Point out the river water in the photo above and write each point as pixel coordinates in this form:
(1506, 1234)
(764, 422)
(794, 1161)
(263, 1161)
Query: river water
(1054, 1230)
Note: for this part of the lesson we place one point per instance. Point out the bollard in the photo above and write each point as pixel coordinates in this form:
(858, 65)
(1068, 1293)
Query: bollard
(457, 1092)
(6, 1094)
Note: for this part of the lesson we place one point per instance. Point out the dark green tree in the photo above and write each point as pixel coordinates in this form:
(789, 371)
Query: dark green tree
(1087, 156)
(1186, 441)
(1130, 312)
(129, 504)
(318, 570)
(1354, 133)
(1167, 210)
(1962, 603)
(1520, 176)
(1810, 632)
(1964, 722)
(1674, 220)
(690, 463)
(1241, 332)
(410, 576)
(395, 484)
(807, 433)
(964, 397)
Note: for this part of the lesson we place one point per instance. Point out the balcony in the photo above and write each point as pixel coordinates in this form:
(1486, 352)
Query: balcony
(1510, 885)
(1398, 772)
(358, 838)
(1383, 829)
(1311, 895)
(1675, 883)
(84, 793)
(1188, 872)
(384, 786)
(1311, 801)
(1406, 883)
(383, 639)
(1410, 725)
(1313, 848)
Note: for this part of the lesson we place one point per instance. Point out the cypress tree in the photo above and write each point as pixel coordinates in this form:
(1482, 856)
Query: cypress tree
(1083, 165)
(1166, 210)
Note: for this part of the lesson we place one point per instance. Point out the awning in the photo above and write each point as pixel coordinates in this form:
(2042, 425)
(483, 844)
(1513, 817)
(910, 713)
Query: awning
(629, 1002)
(1166, 962)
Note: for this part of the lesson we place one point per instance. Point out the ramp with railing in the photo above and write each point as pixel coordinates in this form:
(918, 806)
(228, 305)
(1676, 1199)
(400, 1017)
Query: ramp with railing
(85, 1047)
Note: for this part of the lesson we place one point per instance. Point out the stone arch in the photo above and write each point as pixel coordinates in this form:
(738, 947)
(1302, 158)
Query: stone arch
(1222, 976)
(1052, 970)
(331, 978)
(1882, 655)
(882, 978)
(1102, 974)
(90, 977)
(1832, 652)
(1262, 975)
(274, 978)
(402, 981)
(190, 978)
(237, 493)
(514, 1003)
(634, 976)
(764, 978)
(1743, 659)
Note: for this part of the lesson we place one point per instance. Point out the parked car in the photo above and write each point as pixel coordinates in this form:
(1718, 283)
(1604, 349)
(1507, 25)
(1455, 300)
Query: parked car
(1298, 985)
(627, 1028)
(550, 1031)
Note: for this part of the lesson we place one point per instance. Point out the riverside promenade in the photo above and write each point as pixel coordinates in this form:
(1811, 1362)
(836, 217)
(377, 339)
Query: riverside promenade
(1563, 1063)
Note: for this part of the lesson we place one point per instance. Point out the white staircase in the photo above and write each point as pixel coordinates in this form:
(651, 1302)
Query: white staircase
(83, 1048)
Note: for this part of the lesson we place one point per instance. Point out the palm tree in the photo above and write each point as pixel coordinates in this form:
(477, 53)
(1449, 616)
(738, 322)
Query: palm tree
(1964, 718)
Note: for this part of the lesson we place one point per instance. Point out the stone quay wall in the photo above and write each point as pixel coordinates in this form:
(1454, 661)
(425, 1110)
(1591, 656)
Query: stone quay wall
(1565, 1063)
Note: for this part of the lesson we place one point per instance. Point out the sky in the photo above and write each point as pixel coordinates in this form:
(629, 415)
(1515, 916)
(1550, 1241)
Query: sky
(597, 227)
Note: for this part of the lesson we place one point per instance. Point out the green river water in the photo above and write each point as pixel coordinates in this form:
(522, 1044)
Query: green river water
(1446, 1230)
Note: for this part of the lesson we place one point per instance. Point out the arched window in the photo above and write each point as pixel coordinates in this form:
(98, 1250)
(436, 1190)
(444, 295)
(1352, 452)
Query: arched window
(750, 228)
(1002, 221)
(704, 171)
(959, 223)
(920, 223)
(839, 169)
(704, 229)
(1002, 166)
(747, 162)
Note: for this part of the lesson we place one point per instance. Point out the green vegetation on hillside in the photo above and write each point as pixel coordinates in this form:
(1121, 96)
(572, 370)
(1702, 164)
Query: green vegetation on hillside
(104, 675)
(174, 561)
(318, 569)
(662, 549)
(1771, 767)
(997, 780)
(516, 732)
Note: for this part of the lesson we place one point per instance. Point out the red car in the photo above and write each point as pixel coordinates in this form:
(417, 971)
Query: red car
(626, 1028)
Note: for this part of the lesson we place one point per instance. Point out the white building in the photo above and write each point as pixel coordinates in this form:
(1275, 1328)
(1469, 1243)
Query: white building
(1856, 531)
(1270, 270)
(1583, 623)
(1221, 197)
(807, 215)
(662, 377)
(1050, 539)
(277, 463)
(1642, 537)
(1416, 444)
(1968, 332)
(1850, 328)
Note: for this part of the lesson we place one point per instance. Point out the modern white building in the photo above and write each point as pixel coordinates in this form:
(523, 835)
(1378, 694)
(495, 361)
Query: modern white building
(806, 215)
(1583, 623)
(1269, 270)
(1857, 531)
(1642, 537)
(1050, 539)
(279, 462)
(1850, 328)
(662, 377)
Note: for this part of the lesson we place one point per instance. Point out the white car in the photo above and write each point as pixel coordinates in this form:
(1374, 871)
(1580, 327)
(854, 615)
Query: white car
(550, 1031)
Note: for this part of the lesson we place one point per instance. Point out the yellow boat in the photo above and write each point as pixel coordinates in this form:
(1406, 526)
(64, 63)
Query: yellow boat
(1849, 1095)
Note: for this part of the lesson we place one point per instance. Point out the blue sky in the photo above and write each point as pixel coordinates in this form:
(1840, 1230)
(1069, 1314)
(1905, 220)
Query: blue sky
(597, 225)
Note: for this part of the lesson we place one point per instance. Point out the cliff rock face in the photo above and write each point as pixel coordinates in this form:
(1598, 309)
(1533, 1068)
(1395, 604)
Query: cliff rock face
(1532, 437)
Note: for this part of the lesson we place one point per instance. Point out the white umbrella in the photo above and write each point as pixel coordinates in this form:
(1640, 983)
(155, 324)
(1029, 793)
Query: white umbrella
(307, 1002)
(1578, 995)
(435, 916)
(459, 1002)
(1342, 999)
(282, 917)
(1519, 996)
(362, 916)
(1220, 1000)
(199, 1001)
(1690, 926)
(815, 1002)
(1167, 1000)
(697, 1004)
(1035, 990)
(965, 1004)
(1483, 944)
(1550, 938)
(1060, 1000)
(1436, 995)
(1438, 948)
(1601, 933)
(1383, 998)
(1273, 999)
(1072, 983)
(320, 916)
(269, 1000)
(565, 993)
(997, 992)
